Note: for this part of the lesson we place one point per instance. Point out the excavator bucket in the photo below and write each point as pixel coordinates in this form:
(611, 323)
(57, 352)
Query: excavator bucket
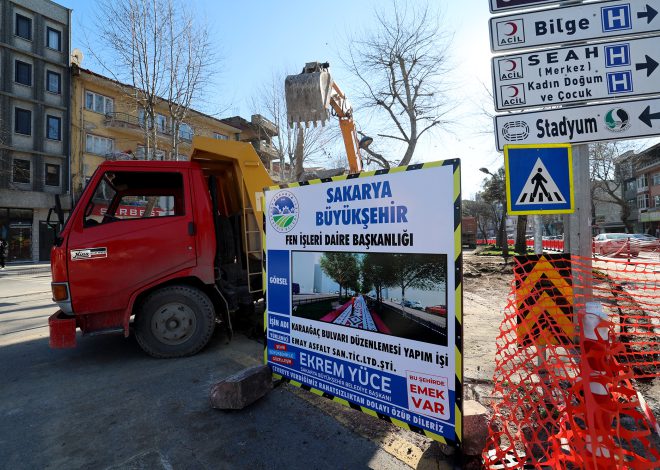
(308, 95)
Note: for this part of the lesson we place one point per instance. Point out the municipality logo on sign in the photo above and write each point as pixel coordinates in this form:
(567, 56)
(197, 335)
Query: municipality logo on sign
(283, 212)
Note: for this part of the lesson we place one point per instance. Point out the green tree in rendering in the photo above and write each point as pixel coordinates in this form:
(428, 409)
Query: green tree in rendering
(343, 268)
(377, 272)
(416, 271)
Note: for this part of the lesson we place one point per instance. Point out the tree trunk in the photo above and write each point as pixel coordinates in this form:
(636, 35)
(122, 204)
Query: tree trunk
(298, 154)
(504, 239)
(521, 241)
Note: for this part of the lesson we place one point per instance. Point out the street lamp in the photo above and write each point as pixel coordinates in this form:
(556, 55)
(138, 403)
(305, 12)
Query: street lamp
(485, 170)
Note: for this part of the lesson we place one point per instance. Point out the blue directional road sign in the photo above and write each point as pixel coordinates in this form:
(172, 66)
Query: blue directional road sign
(539, 179)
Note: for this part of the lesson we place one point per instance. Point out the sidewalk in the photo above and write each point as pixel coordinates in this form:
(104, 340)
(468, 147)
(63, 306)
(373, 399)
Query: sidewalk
(19, 269)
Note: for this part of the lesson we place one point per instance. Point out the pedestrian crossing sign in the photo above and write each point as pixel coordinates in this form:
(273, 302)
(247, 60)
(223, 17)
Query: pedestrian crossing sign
(539, 179)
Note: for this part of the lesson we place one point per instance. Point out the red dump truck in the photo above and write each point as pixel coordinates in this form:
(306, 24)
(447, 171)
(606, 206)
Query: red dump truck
(164, 249)
(469, 231)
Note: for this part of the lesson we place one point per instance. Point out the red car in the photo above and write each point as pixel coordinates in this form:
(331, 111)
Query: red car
(437, 310)
(616, 244)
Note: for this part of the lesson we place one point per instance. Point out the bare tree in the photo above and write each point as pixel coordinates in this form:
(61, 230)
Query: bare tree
(400, 66)
(132, 33)
(162, 52)
(607, 179)
(188, 64)
(295, 147)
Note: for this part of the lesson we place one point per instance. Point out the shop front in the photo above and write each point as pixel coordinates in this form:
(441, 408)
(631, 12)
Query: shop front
(16, 229)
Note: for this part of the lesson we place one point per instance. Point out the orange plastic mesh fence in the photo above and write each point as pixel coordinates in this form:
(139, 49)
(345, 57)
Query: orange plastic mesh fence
(579, 339)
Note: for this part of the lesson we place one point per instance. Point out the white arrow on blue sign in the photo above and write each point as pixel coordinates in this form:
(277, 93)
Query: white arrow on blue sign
(539, 179)
(597, 20)
(624, 68)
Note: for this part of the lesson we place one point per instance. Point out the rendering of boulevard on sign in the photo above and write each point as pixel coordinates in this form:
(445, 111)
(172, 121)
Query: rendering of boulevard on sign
(403, 295)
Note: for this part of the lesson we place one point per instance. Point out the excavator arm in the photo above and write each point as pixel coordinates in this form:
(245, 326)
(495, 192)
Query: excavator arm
(311, 96)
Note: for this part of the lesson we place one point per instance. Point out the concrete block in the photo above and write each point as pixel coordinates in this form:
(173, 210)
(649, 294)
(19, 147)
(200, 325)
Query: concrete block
(242, 389)
(475, 427)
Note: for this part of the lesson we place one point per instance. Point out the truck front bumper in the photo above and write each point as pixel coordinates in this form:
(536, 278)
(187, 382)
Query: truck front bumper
(62, 330)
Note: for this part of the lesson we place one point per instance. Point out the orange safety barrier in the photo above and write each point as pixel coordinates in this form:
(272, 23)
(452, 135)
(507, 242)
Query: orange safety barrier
(579, 340)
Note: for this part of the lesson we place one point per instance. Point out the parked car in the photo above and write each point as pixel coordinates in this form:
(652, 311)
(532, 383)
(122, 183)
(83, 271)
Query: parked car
(437, 310)
(621, 244)
(645, 242)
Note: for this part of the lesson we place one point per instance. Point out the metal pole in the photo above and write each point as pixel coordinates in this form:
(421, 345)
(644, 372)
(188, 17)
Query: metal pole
(538, 235)
(580, 224)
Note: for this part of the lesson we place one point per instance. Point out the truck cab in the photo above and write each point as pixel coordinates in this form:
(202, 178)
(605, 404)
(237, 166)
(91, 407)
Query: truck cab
(167, 248)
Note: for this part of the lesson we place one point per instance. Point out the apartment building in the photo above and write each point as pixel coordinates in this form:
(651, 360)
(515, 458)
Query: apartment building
(107, 123)
(34, 122)
(647, 178)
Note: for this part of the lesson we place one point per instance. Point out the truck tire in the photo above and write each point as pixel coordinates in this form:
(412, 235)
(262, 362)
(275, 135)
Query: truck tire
(174, 321)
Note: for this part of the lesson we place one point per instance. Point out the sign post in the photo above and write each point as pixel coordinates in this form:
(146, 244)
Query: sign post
(573, 23)
(620, 69)
(358, 328)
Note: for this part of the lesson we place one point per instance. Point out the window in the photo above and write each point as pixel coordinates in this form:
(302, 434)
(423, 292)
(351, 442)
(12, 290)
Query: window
(23, 121)
(53, 127)
(135, 195)
(53, 39)
(52, 174)
(53, 82)
(642, 182)
(643, 201)
(656, 201)
(161, 123)
(219, 136)
(98, 145)
(656, 179)
(185, 131)
(98, 103)
(23, 73)
(20, 172)
(23, 27)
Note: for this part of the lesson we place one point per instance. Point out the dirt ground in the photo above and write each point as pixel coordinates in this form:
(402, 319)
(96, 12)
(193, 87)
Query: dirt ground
(487, 284)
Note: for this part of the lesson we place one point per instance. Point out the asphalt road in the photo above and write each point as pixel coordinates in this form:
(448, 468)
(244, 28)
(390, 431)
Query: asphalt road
(106, 405)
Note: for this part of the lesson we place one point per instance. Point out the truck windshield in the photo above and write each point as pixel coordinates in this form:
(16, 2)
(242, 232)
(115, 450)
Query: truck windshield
(135, 195)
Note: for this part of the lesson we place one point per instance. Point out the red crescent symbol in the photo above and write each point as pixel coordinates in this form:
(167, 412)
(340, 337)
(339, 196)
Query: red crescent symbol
(515, 88)
(513, 65)
(514, 28)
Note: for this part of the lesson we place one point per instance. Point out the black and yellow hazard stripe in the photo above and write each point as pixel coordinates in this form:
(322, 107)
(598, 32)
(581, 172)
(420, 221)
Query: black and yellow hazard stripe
(458, 299)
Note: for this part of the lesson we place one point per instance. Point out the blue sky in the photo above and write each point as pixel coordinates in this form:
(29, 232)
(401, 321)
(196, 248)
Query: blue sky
(256, 39)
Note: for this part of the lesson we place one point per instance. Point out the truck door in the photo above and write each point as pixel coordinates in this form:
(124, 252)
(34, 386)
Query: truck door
(137, 227)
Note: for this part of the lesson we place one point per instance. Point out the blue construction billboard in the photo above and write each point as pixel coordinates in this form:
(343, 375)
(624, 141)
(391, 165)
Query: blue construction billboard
(374, 321)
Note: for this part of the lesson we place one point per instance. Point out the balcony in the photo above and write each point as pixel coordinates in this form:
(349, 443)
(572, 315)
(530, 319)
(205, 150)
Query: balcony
(266, 149)
(264, 125)
(128, 121)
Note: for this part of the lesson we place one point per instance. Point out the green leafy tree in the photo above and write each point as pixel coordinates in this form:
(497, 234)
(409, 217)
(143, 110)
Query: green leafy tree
(343, 268)
(416, 271)
(377, 273)
(494, 194)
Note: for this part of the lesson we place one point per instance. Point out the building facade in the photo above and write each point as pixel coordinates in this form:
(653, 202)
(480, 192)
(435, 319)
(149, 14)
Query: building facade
(647, 177)
(107, 123)
(34, 122)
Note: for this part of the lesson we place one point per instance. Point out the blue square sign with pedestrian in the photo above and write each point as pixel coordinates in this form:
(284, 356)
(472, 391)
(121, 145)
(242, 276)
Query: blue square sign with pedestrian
(539, 179)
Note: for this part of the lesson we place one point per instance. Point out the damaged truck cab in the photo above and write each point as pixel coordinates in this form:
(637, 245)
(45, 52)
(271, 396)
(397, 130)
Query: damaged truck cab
(165, 248)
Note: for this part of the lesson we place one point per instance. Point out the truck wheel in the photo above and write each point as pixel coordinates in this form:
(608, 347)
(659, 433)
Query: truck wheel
(175, 321)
